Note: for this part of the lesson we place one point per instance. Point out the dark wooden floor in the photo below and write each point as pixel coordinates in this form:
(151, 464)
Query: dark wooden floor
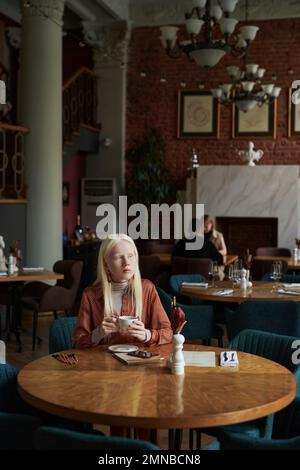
(19, 360)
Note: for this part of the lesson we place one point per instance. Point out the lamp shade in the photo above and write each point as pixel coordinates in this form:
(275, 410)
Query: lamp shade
(193, 26)
(233, 70)
(207, 57)
(169, 33)
(228, 25)
(249, 32)
(252, 68)
(245, 105)
(216, 92)
(276, 91)
(216, 12)
(228, 6)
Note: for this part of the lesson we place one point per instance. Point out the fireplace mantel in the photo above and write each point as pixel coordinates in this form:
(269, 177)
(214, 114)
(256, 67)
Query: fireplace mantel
(243, 191)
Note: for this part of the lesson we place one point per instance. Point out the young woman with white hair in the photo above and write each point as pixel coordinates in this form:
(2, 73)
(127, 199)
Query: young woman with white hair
(120, 291)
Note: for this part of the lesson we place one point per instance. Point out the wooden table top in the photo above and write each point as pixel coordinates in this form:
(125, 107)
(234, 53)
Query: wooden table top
(166, 258)
(261, 290)
(292, 264)
(23, 276)
(100, 389)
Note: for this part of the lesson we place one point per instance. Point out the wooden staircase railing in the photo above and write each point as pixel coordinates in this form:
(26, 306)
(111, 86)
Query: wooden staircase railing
(12, 187)
(79, 103)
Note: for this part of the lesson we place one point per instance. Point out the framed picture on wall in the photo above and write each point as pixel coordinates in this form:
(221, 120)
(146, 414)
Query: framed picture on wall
(66, 193)
(198, 115)
(294, 112)
(258, 122)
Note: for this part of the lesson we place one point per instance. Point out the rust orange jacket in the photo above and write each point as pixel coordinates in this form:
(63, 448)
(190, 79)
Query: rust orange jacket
(90, 316)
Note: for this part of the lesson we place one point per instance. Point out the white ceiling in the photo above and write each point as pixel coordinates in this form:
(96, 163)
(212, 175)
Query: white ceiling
(157, 12)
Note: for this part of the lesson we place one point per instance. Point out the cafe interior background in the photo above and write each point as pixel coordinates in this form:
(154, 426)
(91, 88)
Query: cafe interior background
(103, 100)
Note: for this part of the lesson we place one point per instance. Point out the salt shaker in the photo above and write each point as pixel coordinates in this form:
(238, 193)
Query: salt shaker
(178, 358)
(11, 265)
(295, 254)
(244, 282)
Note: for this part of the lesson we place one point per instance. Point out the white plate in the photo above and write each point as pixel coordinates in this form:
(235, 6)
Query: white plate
(123, 348)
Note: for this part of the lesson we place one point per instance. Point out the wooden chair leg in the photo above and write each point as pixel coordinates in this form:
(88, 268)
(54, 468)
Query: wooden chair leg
(55, 314)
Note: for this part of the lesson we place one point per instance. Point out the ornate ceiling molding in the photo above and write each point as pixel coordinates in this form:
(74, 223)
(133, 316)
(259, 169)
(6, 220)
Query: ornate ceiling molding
(52, 9)
(158, 12)
(110, 42)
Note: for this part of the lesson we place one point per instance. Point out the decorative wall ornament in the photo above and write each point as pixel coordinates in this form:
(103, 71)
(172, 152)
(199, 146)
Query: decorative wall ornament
(52, 9)
(110, 41)
(14, 36)
(251, 156)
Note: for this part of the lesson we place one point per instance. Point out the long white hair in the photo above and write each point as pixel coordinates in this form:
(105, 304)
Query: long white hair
(135, 283)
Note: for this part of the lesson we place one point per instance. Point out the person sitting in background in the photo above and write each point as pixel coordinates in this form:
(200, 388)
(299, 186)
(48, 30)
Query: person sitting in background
(213, 235)
(119, 290)
(208, 249)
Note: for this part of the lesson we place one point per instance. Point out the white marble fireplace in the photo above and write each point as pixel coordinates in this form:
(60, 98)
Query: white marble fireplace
(243, 191)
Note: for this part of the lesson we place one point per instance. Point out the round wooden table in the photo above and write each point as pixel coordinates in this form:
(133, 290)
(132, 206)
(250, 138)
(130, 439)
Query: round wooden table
(100, 389)
(260, 291)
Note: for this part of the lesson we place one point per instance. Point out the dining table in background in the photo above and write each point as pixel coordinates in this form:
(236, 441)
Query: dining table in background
(292, 264)
(15, 283)
(166, 258)
(99, 389)
(261, 290)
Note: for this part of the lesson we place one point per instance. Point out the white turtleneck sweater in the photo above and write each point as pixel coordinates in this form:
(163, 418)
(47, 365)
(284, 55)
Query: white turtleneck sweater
(118, 289)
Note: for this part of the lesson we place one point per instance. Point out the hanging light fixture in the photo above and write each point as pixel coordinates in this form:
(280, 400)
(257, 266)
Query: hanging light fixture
(209, 50)
(246, 90)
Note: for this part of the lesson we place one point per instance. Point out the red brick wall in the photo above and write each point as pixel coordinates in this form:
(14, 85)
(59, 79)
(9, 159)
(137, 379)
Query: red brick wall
(154, 104)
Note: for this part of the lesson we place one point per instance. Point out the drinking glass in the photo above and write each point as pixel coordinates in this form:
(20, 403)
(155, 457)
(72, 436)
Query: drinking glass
(213, 272)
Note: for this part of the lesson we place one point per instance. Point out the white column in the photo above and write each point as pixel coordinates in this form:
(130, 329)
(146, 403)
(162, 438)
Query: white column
(41, 111)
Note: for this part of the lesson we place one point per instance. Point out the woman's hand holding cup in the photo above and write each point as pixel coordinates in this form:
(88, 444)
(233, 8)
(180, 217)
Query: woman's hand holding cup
(137, 330)
(109, 325)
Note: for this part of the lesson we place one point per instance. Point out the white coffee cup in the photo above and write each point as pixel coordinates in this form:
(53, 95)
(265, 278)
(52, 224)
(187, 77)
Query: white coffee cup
(125, 321)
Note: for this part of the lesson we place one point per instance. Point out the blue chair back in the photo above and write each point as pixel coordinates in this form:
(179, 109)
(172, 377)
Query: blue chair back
(48, 438)
(277, 348)
(286, 433)
(60, 334)
(236, 441)
(276, 317)
(175, 284)
(200, 319)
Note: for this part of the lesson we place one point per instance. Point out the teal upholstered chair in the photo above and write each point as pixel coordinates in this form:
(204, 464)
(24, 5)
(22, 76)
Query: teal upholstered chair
(277, 348)
(286, 434)
(17, 426)
(275, 317)
(48, 438)
(17, 431)
(175, 284)
(60, 334)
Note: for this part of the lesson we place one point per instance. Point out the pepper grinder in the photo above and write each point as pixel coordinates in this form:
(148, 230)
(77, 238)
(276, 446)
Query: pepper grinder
(178, 358)
(244, 282)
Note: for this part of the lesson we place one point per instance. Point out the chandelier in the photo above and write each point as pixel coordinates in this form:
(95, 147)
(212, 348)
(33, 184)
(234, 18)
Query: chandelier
(207, 50)
(246, 90)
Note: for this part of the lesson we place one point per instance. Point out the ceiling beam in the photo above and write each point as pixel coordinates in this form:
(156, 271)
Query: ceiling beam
(82, 10)
(119, 9)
